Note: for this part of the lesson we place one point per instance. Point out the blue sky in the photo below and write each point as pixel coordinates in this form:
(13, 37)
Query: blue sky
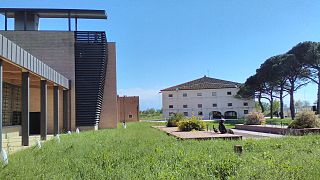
(167, 42)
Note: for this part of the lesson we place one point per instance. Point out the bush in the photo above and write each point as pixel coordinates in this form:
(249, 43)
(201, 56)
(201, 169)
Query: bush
(255, 118)
(174, 119)
(305, 119)
(192, 124)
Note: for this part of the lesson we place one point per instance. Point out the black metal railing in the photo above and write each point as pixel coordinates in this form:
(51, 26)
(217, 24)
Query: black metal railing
(90, 72)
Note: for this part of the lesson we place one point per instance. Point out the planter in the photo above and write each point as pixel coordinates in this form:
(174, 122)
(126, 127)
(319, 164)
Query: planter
(277, 130)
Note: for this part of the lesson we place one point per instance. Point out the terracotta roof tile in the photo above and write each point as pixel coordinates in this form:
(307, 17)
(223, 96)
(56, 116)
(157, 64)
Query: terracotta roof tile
(204, 83)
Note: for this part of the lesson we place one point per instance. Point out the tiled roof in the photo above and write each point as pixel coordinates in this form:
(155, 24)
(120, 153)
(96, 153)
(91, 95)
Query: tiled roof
(204, 83)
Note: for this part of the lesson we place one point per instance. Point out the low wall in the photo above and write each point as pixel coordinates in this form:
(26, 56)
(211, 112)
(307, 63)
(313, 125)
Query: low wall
(276, 130)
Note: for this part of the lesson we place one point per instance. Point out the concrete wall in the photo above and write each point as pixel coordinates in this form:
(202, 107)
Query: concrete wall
(109, 118)
(128, 108)
(56, 49)
(207, 100)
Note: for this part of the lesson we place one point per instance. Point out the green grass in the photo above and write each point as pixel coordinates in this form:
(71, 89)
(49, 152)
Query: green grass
(151, 117)
(141, 152)
(278, 121)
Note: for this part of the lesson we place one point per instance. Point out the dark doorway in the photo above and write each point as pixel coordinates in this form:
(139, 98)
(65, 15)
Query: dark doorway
(34, 123)
(230, 115)
(215, 115)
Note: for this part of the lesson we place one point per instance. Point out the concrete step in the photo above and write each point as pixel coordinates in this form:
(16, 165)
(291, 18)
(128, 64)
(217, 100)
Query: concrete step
(256, 134)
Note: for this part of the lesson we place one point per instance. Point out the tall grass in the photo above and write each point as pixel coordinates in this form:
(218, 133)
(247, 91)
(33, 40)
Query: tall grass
(141, 152)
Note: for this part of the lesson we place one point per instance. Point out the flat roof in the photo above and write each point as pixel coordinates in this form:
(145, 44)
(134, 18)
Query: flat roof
(57, 13)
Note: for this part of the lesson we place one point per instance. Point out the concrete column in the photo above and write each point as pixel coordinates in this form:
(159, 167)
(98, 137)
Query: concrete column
(1, 102)
(66, 125)
(25, 88)
(56, 110)
(69, 21)
(43, 109)
(5, 21)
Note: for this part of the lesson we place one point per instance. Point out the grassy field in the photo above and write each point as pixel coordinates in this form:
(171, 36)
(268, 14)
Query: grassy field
(151, 117)
(141, 152)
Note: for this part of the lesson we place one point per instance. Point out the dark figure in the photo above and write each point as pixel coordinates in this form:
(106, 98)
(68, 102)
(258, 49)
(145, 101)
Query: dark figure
(222, 128)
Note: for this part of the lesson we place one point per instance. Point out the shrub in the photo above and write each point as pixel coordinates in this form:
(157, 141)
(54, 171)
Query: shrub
(192, 124)
(255, 118)
(174, 119)
(305, 119)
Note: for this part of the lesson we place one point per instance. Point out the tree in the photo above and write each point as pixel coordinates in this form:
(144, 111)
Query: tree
(278, 76)
(276, 106)
(264, 105)
(271, 76)
(308, 54)
(298, 104)
(252, 88)
(296, 74)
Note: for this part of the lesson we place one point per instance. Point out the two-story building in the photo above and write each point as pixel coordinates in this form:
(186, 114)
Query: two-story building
(207, 97)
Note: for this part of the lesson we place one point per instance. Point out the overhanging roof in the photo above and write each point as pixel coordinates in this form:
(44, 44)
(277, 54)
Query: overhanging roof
(13, 53)
(57, 13)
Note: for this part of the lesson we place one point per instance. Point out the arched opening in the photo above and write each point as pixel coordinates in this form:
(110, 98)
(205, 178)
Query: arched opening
(215, 115)
(230, 115)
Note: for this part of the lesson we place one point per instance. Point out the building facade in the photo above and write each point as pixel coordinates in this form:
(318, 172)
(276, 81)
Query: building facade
(128, 108)
(207, 97)
(68, 77)
(84, 57)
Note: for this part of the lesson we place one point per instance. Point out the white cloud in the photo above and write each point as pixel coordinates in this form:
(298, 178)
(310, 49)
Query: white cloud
(149, 98)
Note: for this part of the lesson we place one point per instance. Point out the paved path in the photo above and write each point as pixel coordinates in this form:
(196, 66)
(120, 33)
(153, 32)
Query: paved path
(253, 134)
(197, 134)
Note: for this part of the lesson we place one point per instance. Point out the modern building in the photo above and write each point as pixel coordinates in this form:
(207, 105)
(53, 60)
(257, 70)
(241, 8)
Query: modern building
(128, 108)
(54, 81)
(206, 97)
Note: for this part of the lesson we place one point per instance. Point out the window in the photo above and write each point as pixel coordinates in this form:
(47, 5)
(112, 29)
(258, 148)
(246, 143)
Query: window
(199, 105)
(229, 93)
(200, 113)
(185, 113)
(214, 105)
(170, 113)
(170, 106)
(214, 93)
(229, 104)
(130, 116)
(245, 112)
(199, 94)
(170, 95)
(245, 104)
(185, 106)
(184, 95)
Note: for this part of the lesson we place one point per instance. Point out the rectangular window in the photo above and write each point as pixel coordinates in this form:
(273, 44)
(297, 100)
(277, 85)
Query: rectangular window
(184, 95)
(170, 95)
(199, 105)
(214, 93)
(245, 112)
(229, 93)
(245, 104)
(214, 105)
(185, 106)
(185, 113)
(199, 94)
(130, 116)
(170, 113)
(170, 106)
(200, 113)
(229, 104)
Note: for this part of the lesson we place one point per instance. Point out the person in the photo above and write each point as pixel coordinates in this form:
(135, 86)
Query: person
(222, 128)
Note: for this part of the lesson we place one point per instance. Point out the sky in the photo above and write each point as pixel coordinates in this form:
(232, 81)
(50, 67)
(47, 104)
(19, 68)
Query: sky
(168, 42)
